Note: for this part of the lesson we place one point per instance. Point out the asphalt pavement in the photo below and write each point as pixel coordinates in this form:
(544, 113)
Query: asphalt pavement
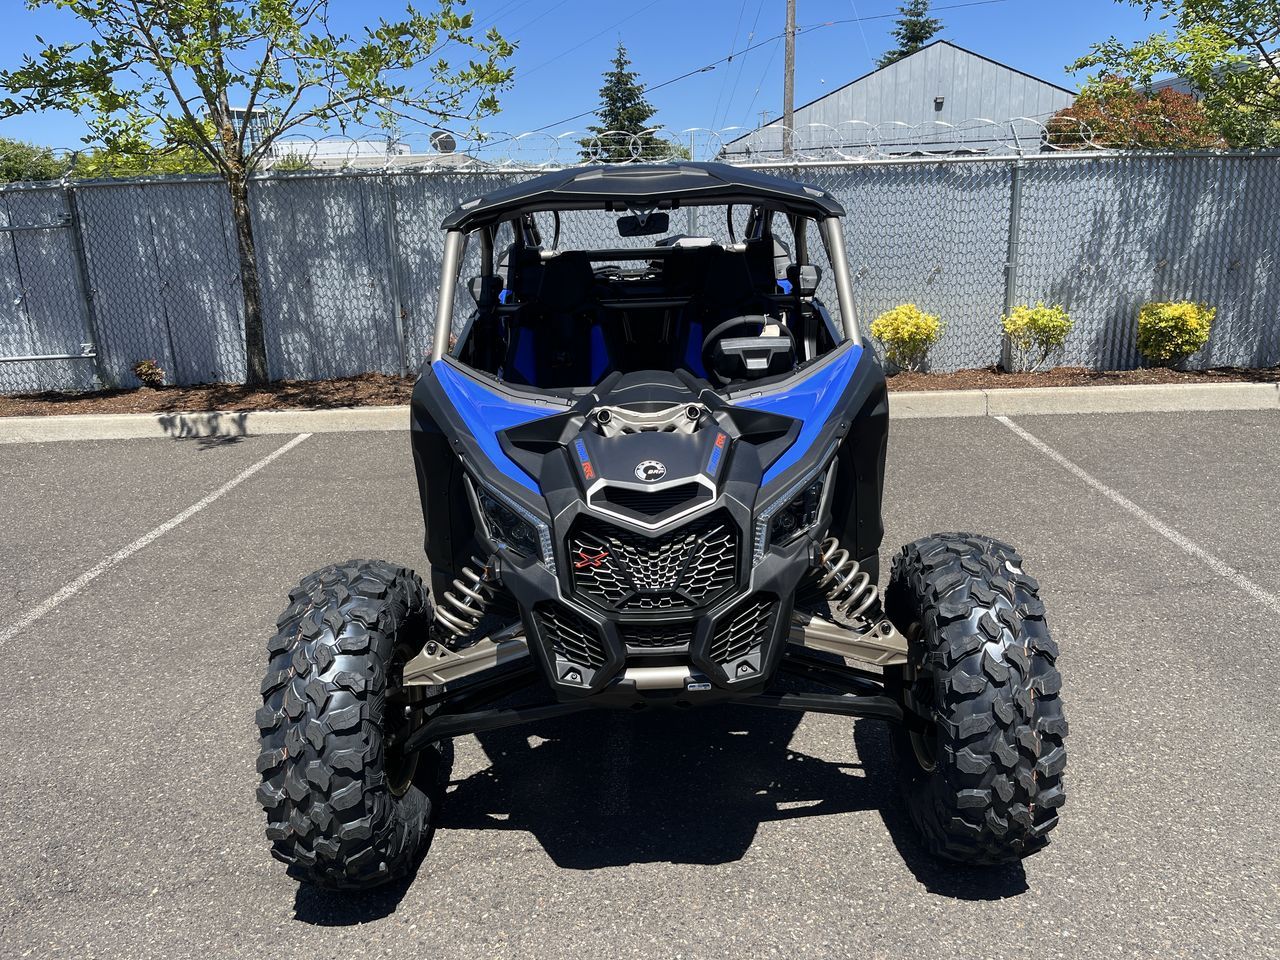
(129, 828)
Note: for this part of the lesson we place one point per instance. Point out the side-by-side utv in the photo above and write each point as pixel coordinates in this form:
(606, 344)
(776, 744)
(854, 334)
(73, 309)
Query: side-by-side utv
(651, 461)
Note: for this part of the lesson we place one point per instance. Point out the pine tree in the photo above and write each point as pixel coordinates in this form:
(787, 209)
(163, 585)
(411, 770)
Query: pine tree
(623, 111)
(915, 29)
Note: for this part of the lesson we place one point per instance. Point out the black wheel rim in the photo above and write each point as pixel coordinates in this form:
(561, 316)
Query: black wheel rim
(924, 741)
(401, 717)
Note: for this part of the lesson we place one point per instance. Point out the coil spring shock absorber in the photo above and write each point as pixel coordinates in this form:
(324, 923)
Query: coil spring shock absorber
(844, 583)
(461, 607)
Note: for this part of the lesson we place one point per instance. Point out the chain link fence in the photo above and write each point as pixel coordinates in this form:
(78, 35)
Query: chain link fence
(95, 276)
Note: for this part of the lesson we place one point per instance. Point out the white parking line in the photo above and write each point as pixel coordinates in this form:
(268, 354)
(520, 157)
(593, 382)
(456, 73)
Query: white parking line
(124, 553)
(1173, 536)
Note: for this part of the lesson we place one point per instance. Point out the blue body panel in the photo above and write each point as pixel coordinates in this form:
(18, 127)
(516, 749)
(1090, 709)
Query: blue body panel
(693, 350)
(486, 413)
(812, 401)
(523, 362)
(599, 353)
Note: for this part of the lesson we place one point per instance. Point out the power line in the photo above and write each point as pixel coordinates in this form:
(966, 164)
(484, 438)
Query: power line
(579, 46)
(742, 64)
(708, 67)
(497, 15)
(862, 30)
(760, 84)
(551, 9)
(715, 111)
(890, 16)
(493, 19)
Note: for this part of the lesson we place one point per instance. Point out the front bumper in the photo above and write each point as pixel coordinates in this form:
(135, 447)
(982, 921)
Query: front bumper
(734, 643)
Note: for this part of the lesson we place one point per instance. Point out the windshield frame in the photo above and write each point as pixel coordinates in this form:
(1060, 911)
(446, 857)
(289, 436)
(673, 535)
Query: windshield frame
(830, 229)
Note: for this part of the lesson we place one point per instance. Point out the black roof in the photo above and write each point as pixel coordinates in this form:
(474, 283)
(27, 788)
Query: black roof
(622, 186)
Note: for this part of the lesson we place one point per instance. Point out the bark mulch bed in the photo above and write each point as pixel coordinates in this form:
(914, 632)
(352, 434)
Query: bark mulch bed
(376, 389)
(367, 390)
(990, 378)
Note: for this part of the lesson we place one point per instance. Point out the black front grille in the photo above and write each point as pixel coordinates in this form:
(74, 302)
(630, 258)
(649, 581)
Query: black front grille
(657, 634)
(651, 503)
(743, 630)
(689, 566)
(571, 636)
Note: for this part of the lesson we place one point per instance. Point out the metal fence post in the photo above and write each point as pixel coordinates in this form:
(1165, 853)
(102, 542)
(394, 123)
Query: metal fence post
(393, 265)
(1011, 262)
(83, 286)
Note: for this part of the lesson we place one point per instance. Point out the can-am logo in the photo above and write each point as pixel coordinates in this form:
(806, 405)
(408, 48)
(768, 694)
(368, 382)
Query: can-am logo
(650, 470)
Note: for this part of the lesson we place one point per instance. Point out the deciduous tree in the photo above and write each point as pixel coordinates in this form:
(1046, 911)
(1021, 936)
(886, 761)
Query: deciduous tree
(1110, 112)
(227, 79)
(27, 161)
(1227, 50)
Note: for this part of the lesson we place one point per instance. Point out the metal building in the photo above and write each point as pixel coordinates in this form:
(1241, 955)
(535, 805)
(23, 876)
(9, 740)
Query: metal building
(940, 98)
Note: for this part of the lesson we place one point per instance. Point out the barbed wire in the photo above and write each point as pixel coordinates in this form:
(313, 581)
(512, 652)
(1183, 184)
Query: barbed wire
(850, 141)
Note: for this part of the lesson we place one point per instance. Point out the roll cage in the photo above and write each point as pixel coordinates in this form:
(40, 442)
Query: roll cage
(644, 190)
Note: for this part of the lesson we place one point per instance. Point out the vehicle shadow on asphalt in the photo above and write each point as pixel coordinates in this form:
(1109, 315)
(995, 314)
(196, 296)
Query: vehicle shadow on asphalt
(611, 789)
(346, 908)
(615, 789)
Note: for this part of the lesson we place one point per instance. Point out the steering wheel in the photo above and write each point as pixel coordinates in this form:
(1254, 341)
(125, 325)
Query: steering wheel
(720, 329)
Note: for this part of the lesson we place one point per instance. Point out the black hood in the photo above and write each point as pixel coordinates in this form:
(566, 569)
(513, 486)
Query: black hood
(649, 448)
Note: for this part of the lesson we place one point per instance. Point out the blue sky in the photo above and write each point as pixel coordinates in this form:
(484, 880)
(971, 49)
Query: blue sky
(564, 46)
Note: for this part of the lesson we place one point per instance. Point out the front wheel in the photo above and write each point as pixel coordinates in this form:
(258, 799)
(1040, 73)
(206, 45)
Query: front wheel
(346, 807)
(982, 756)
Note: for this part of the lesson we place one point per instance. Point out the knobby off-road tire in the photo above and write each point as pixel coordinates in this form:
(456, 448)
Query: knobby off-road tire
(344, 807)
(983, 780)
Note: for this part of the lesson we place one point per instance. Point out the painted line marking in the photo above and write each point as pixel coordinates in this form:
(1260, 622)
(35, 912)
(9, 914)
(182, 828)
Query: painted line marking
(124, 553)
(1224, 570)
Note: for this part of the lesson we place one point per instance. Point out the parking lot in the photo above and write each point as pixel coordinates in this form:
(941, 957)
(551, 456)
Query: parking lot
(129, 827)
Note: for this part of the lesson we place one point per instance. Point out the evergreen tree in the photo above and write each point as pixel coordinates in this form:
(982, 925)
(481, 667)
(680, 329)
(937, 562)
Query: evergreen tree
(915, 29)
(623, 133)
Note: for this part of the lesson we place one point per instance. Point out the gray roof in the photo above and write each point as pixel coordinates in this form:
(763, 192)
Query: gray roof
(905, 94)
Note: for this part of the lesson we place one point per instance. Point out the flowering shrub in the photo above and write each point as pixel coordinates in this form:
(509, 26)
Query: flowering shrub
(907, 333)
(1111, 112)
(1035, 333)
(1170, 332)
(149, 373)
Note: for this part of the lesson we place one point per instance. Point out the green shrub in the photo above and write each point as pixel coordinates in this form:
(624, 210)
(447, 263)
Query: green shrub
(149, 373)
(291, 162)
(907, 333)
(1035, 333)
(1168, 333)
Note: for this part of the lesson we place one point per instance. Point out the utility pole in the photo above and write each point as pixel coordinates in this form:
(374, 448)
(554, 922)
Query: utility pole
(789, 81)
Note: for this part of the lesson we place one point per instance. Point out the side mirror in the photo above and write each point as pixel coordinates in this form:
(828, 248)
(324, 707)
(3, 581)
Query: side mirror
(485, 291)
(654, 223)
(804, 278)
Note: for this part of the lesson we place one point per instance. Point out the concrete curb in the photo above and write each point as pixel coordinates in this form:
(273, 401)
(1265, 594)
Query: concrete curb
(185, 426)
(1030, 401)
(1033, 401)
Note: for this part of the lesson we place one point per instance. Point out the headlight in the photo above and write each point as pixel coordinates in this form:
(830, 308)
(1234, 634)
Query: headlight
(794, 512)
(512, 526)
(797, 516)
